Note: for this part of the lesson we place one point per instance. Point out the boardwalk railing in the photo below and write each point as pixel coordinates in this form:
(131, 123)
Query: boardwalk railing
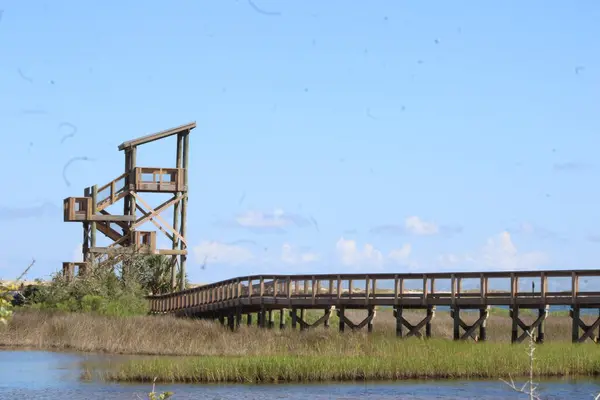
(464, 290)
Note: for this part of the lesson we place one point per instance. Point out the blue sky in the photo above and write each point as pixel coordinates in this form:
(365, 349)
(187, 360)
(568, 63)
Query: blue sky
(332, 136)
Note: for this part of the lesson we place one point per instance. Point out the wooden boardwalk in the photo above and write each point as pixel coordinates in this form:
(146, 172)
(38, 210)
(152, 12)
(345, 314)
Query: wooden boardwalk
(264, 295)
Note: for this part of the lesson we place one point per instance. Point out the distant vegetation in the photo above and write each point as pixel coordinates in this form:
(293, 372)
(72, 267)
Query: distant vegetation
(114, 292)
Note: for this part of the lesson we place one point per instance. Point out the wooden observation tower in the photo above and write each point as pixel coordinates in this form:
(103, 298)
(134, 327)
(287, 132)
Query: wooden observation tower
(121, 230)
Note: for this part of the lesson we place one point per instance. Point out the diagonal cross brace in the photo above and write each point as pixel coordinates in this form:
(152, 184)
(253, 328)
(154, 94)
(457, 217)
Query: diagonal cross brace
(151, 214)
(470, 332)
(588, 330)
(172, 201)
(466, 328)
(306, 325)
(528, 329)
(415, 330)
(354, 326)
(159, 226)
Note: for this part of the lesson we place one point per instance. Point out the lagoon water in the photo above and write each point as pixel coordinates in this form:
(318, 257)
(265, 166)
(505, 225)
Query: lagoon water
(39, 375)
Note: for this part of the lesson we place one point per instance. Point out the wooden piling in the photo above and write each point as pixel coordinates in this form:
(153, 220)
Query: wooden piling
(575, 315)
(483, 313)
(176, 214)
(371, 315)
(515, 324)
(398, 314)
(184, 202)
(281, 319)
(456, 319)
(342, 324)
(294, 317)
(541, 327)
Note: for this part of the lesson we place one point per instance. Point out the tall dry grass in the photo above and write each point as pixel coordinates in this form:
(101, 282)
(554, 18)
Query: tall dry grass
(164, 335)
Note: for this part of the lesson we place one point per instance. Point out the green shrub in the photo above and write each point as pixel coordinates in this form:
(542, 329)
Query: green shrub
(113, 292)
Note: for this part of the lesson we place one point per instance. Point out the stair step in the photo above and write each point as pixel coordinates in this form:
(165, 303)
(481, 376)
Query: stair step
(108, 231)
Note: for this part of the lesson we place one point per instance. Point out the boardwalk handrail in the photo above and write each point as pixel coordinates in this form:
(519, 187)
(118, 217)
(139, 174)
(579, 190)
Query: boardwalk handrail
(332, 288)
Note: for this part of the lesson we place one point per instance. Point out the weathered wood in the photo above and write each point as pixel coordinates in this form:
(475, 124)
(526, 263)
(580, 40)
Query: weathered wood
(92, 204)
(282, 319)
(429, 317)
(90, 210)
(152, 214)
(578, 324)
(108, 231)
(183, 258)
(157, 136)
(398, 310)
(355, 327)
(69, 269)
(341, 315)
(231, 321)
(174, 184)
(275, 292)
(271, 323)
(171, 252)
(176, 214)
(483, 316)
(294, 317)
(413, 330)
(305, 325)
(527, 329)
(112, 218)
(470, 329)
(262, 317)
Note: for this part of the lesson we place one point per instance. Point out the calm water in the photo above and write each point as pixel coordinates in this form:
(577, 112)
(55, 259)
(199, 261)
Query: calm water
(37, 375)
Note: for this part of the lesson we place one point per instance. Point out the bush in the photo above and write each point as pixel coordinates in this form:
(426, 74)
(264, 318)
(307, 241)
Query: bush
(5, 302)
(116, 292)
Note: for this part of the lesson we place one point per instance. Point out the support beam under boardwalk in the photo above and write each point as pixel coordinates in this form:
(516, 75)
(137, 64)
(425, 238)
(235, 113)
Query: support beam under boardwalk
(413, 330)
(345, 321)
(579, 325)
(469, 330)
(299, 319)
(527, 330)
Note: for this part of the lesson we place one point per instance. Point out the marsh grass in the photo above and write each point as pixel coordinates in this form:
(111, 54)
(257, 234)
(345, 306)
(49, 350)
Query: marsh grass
(378, 358)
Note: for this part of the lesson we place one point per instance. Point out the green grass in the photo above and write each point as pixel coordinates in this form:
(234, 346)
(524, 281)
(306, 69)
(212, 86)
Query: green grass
(374, 358)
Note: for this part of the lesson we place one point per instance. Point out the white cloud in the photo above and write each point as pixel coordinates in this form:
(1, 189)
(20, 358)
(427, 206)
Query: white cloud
(221, 253)
(266, 222)
(541, 232)
(499, 252)
(401, 255)
(258, 219)
(350, 255)
(289, 255)
(417, 226)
